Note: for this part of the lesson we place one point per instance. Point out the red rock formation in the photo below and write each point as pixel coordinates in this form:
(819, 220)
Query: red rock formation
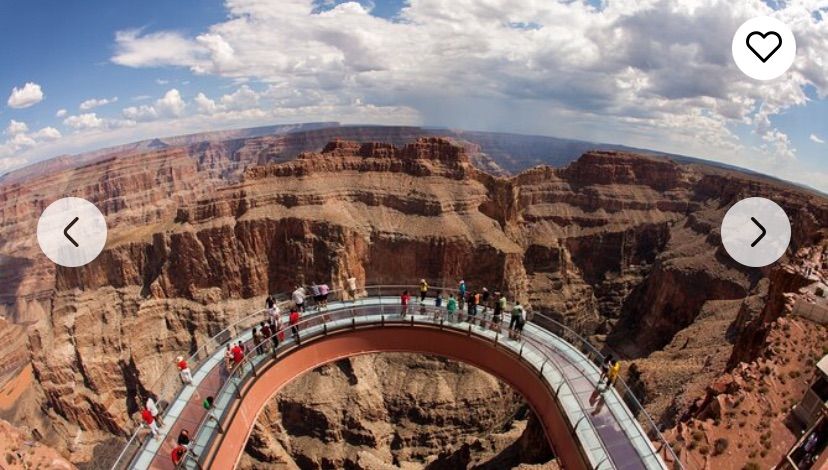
(615, 243)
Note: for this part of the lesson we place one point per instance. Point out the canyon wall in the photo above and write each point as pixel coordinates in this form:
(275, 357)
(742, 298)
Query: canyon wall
(624, 248)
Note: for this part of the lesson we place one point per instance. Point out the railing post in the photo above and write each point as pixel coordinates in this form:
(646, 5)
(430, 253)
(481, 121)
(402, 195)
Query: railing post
(324, 329)
(382, 320)
(469, 333)
(520, 353)
(253, 368)
(542, 366)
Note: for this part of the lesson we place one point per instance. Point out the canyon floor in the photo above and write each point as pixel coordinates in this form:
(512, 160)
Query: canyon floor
(622, 247)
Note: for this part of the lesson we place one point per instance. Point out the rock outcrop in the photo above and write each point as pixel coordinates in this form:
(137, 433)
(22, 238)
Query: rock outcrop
(619, 246)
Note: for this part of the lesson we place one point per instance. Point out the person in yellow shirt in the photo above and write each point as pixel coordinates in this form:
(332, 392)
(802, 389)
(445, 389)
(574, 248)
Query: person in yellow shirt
(423, 290)
(611, 373)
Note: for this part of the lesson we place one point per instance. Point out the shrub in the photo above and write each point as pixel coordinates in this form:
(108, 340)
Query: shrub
(698, 435)
(752, 466)
(720, 445)
(704, 450)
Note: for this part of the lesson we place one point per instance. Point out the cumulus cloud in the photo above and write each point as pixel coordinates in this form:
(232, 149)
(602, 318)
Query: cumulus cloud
(61, 113)
(816, 139)
(47, 134)
(170, 105)
(96, 102)
(647, 73)
(16, 127)
(84, 121)
(20, 140)
(28, 95)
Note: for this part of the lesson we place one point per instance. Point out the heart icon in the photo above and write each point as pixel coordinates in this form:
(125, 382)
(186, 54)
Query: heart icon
(764, 45)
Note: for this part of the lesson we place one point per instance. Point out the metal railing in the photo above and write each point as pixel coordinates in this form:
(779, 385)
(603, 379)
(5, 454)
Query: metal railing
(390, 314)
(170, 385)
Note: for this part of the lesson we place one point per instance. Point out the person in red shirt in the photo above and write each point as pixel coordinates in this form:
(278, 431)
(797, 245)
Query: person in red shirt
(184, 370)
(178, 454)
(404, 300)
(146, 415)
(238, 355)
(294, 323)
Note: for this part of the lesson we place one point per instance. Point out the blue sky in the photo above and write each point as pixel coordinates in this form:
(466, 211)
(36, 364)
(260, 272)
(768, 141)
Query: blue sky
(665, 82)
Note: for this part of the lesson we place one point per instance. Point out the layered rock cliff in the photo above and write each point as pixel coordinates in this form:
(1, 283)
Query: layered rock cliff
(619, 246)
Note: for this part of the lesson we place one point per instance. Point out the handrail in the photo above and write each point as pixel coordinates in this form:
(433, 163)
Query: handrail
(251, 354)
(627, 391)
(236, 329)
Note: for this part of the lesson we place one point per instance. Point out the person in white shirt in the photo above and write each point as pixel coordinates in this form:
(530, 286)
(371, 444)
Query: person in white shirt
(153, 408)
(352, 287)
(299, 298)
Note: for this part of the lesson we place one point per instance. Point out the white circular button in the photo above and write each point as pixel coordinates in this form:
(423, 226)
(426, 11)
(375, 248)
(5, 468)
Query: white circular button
(71, 232)
(764, 48)
(756, 232)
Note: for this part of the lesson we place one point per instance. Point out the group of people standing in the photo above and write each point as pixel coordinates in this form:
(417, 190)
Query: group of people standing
(475, 302)
(270, 332)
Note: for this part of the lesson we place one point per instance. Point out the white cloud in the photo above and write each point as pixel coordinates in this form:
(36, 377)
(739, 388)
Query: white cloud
(61, 113)
(30, 94)
(816, 139)
(20, 140)
(95, 103)
(667, 82)
(47, 133)
(204, 105)
(161, 81)
(170, 105)
(84, 121)
(16, 127)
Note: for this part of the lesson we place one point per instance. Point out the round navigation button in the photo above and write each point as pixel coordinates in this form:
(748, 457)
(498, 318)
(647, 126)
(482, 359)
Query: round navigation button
(756, 232)
(71, 232)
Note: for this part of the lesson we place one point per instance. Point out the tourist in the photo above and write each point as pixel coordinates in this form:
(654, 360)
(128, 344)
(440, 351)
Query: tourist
(298, 296)
(613, 373)
(153, 407)
(404, 299)
(184, 370)
(208, 403)
(278, 333)
(178, 454)
(423, 290)
(517, 313)
(521, 322)
(499, 308)
(438, 300)
(317, 297)
(228, 357)
(293, 319)
(184, 438)
(146, 415)
(605, 367)
(352, 287)
(257, 341)
(451, 307)
(474, 301)
(266, 334)
(484, 300)
(238, 354)
(243, 347)
(461, 294)
(324, 292)
(269, 304)
(275, 313)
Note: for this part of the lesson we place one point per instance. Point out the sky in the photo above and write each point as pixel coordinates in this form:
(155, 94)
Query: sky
(656, 74)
